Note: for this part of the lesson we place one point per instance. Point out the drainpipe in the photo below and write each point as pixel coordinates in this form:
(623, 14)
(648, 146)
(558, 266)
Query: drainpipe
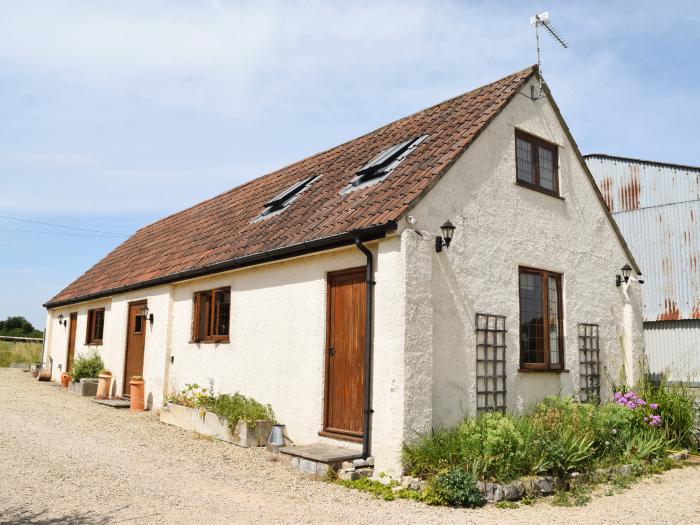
(368, 347)
(169, 357)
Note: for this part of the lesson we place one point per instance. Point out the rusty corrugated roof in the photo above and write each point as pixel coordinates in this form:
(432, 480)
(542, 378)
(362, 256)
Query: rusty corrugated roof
(657, 207)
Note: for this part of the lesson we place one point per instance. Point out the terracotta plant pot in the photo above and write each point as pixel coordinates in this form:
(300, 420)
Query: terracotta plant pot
(137, 390)
(104, 386)
(65, 379)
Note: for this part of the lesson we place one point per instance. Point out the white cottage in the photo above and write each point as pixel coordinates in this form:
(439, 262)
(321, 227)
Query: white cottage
(329, 290)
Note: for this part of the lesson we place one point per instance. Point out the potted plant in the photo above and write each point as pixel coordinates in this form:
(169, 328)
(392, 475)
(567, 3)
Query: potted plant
(65, 379)
(84, 374)
(104, 385)
(137, 393)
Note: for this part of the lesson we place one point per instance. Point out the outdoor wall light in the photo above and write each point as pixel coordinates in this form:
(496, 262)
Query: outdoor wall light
(626, 271)
(447, 230)
(145, 314)
(62, 321)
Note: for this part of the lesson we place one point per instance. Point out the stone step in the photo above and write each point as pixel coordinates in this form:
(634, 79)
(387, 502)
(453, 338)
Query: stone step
(318, 458)
(114, 403)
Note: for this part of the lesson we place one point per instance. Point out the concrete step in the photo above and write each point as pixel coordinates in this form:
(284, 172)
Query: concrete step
(318, 458)
(114, 403)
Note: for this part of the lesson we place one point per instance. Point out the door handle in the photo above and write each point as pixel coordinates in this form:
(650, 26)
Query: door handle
(331, 351)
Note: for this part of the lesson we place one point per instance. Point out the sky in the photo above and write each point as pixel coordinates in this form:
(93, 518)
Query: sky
(114, 114)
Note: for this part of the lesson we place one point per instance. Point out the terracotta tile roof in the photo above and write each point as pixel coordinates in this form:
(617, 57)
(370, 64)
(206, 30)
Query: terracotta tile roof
(222, 232)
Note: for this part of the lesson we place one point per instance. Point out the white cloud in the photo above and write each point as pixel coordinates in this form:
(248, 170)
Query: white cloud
(132, 99)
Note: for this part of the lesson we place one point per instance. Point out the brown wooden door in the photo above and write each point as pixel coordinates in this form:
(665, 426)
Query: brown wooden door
(345, 353)
(71, 341)
(135, 344)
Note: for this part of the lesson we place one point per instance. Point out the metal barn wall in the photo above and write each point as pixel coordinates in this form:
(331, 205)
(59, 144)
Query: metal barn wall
(664, 240)
(657, 208)
(673, 348)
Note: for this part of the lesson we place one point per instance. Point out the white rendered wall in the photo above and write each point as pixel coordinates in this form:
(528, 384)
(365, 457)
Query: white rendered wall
(277, 344)
(112, 349)
(500, 226)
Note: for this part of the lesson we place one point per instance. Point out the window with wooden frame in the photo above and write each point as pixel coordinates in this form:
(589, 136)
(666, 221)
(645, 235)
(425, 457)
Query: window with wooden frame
(541, 320)
(212, 312)
(536, 162)
(95, 326)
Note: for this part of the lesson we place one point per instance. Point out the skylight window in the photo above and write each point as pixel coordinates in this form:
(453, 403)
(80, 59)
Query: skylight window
(386, 161)
(285, 198)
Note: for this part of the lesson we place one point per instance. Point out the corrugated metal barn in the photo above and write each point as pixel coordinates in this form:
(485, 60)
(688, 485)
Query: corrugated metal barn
(657, 207)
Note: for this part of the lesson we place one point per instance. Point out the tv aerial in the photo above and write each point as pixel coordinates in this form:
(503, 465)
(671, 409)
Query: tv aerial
(542, 20)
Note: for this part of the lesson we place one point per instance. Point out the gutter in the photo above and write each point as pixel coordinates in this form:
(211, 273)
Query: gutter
(286, 252)
(369, 315)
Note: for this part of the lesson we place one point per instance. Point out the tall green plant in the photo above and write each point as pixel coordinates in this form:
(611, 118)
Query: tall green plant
(674, 404)
(87, 366)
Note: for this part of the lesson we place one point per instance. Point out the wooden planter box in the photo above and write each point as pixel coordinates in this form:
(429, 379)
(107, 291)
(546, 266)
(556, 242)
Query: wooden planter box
(213, 425)
(87, 387)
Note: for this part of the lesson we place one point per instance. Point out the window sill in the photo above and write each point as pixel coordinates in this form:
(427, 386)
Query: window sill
(545, 370)
(539, 190)
(222, 342)
(94, 344)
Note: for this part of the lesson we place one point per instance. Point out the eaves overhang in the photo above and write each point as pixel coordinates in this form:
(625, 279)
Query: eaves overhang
(277, 254)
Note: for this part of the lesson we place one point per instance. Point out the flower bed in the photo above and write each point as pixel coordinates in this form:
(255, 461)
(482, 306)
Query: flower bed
(546, 448)
(233, 418)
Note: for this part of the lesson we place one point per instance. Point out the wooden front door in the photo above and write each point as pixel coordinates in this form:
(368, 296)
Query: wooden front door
(71, 341)
(135, 343)
(345, 354)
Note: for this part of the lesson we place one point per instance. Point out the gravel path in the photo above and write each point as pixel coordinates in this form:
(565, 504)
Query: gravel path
(64, 459)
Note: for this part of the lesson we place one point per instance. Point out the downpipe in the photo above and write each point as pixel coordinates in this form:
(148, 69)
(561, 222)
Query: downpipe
(369, 316)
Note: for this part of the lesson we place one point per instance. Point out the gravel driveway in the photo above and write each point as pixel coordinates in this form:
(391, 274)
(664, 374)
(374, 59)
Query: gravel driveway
(64, 459)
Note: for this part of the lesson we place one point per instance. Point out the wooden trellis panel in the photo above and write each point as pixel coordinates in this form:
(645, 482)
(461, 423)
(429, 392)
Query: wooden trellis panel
(490, 363)
(589, 363)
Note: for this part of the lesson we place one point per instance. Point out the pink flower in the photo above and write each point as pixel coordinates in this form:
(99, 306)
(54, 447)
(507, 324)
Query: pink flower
(653, 406)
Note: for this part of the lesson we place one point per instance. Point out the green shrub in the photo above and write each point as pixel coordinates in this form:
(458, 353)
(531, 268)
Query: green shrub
(492, 446)
(675, 405)
(234, 407)
(437, 451)
(87, 366)
(192, 396)
(676, 408)
(564, 452)
(456, 487)
(644, 444)
(238, 407)
(557, 436)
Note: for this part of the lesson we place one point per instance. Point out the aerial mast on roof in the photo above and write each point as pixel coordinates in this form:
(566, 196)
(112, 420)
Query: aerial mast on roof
(542, 20)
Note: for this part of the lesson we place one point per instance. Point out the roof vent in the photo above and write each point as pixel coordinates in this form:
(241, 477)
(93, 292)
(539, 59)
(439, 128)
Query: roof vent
(282, 200)
(386, 161)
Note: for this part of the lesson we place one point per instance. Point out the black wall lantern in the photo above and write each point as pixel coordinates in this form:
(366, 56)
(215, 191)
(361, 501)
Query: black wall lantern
(626, 271)
(145, 314)
(62, 321)
(447, 230)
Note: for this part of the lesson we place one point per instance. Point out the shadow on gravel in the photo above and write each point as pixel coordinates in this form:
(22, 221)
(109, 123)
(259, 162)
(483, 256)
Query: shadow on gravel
(21, 515)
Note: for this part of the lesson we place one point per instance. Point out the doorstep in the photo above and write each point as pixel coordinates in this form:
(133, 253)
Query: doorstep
(318, 458)
(114, 403)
